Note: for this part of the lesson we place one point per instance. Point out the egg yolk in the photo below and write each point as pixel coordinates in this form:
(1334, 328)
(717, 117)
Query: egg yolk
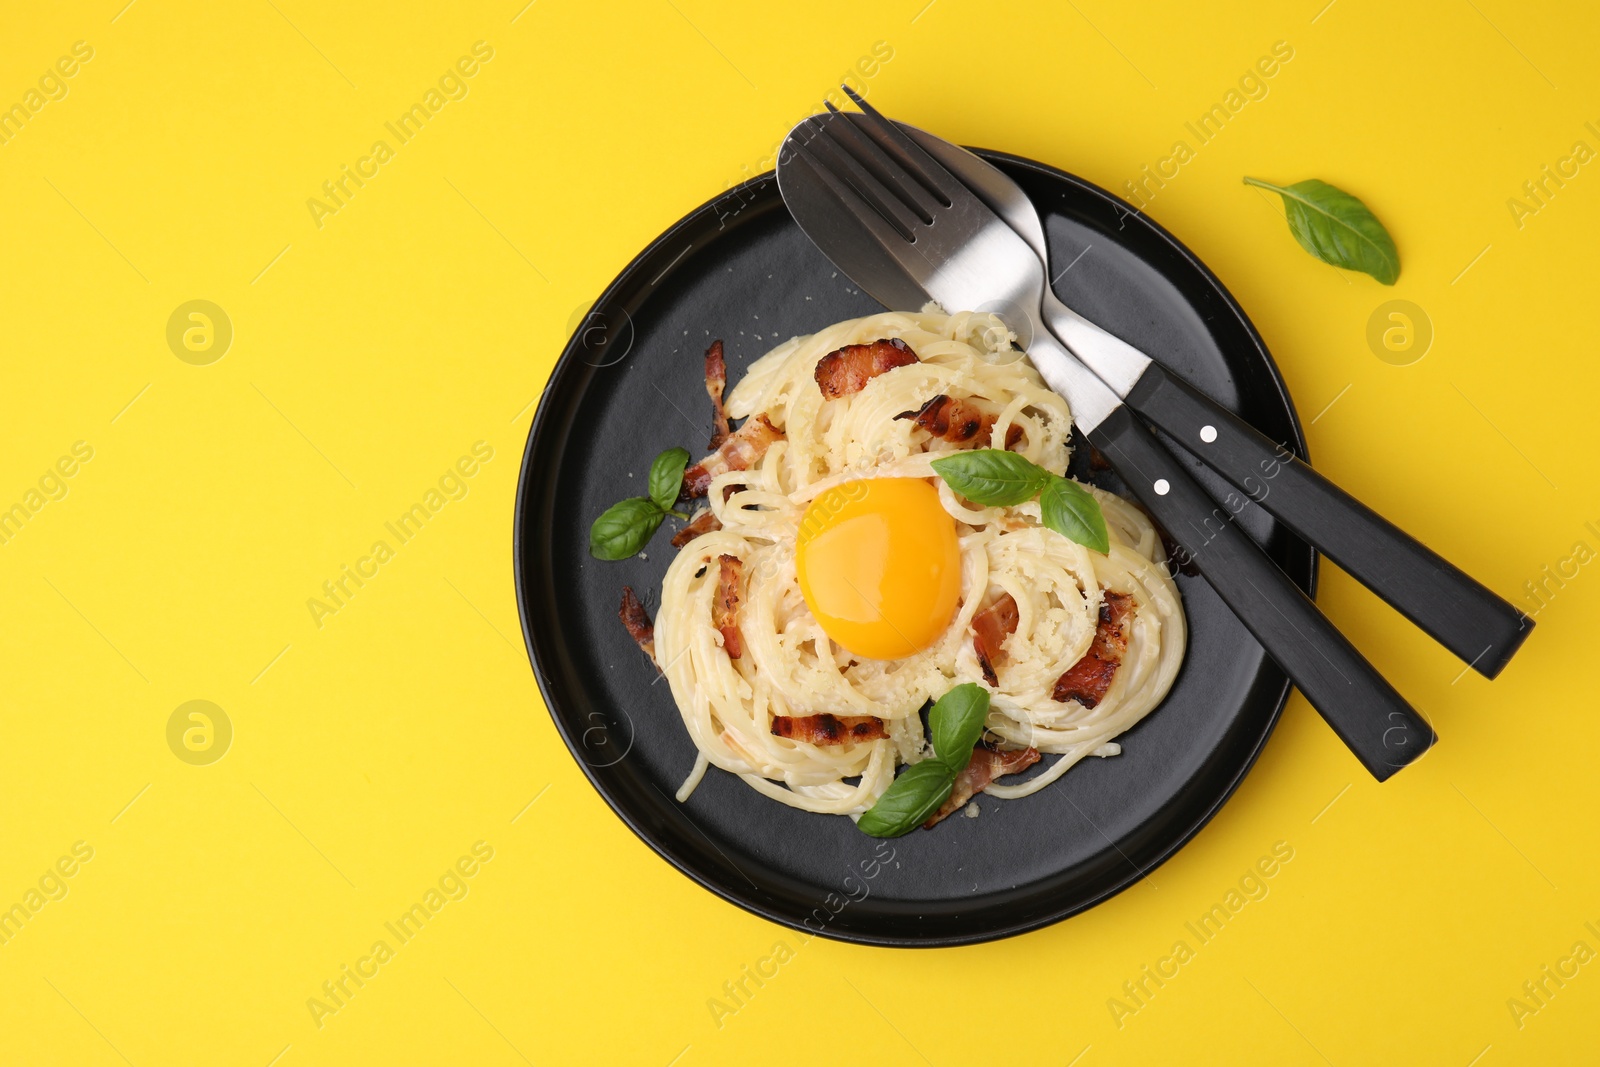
(879, 565)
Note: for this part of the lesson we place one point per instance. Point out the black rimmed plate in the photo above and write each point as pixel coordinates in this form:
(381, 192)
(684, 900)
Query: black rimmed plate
(630, 385)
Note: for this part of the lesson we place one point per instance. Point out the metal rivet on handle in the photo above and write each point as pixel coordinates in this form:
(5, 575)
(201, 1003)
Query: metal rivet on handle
(1208, 434)
(1161, 487)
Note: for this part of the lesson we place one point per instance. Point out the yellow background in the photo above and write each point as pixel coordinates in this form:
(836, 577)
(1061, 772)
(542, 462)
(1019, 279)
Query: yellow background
(370, 353)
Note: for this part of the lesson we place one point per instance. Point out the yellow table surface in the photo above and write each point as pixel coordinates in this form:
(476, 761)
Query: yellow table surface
(1450, 916)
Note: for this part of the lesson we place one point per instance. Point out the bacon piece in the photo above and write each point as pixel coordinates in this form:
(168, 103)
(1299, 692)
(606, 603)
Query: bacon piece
(738, 452)
(1087, 680)
(990, 627)
(703, 523)
(716, 381)
(959, 421)
(828, 729)
(638, 623)
(847, 370)
(986, 766)
(725, 605)
(955, 420)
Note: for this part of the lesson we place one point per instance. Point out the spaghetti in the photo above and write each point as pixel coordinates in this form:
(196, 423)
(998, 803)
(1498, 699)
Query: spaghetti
(1055, 598)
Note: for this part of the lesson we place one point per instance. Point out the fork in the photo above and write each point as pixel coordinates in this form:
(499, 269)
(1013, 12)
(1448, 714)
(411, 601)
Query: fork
(903, 211)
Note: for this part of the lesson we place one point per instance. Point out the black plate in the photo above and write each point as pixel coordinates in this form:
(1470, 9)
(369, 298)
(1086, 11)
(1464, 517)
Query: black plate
(629, 384)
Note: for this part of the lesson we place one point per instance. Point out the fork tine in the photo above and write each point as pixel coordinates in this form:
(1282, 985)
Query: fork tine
(893, 140)
(888, 235)
(827, 154)
(896, 179)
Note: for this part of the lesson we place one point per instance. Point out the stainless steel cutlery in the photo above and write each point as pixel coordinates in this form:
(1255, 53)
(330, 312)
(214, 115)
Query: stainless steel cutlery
(910, 217)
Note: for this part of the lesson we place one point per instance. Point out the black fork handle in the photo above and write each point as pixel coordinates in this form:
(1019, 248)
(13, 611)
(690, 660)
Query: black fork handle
(1374, 720)
(1448, 604)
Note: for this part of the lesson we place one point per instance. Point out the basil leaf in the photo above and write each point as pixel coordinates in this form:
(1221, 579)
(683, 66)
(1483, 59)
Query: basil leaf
(992, 477)
(666, 477)
(624, 528)
(1073, 512)
(910, 800)
(1337, 228)
(956, 723)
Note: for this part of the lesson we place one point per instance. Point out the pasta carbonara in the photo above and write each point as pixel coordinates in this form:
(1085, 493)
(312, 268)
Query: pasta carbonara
(1074, 646)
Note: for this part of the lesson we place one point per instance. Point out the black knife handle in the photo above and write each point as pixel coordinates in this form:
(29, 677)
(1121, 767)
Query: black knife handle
(1377, 724)
(1445, 602)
